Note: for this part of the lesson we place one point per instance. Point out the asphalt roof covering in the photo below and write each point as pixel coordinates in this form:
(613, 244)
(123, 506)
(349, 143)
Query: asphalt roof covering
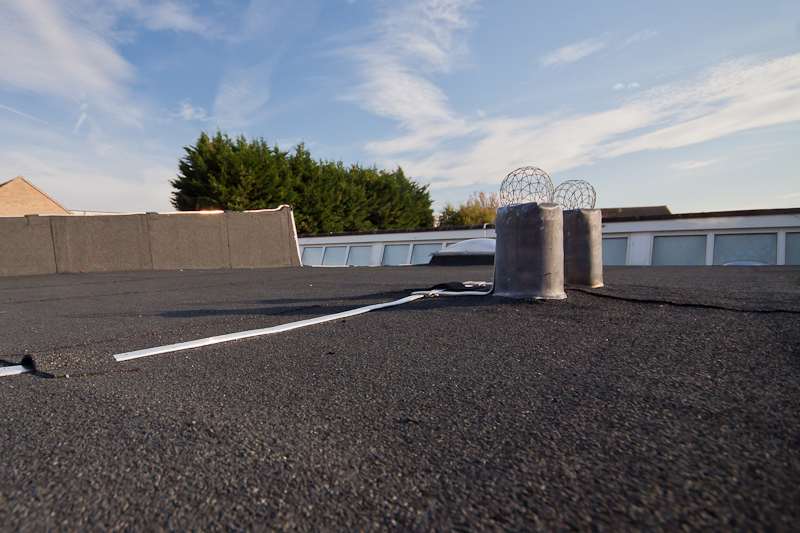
(667, 399)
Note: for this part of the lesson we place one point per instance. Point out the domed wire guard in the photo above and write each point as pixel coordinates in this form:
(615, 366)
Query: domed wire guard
(575, 194)
(526, 184)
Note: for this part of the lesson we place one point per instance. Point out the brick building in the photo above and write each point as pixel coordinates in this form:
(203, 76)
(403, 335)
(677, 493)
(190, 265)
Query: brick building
(21, 197)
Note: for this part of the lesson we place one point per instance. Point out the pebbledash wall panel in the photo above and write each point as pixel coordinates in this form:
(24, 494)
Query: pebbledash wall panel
(26, 246)
(189, 241)
(104, 243)
(177, 241)
(261, 239)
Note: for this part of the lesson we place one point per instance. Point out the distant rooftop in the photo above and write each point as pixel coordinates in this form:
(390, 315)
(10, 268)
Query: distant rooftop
(21, 197)
(610, 214)
(616, 212)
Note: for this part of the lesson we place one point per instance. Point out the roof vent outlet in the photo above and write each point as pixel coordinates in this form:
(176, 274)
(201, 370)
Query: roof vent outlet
(583, 247)
(529, 257)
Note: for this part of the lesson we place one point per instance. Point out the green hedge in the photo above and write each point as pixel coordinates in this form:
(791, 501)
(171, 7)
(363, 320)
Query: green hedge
(234, 174)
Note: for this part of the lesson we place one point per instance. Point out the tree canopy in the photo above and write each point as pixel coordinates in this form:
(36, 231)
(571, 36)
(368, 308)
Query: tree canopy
(481, 208)
(236, 174)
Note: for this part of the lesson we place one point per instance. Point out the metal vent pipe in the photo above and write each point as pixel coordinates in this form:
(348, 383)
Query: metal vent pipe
(529, 256)
(583, 247)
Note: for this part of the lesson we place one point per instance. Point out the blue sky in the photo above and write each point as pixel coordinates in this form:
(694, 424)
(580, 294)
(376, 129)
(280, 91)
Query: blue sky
(695, 105)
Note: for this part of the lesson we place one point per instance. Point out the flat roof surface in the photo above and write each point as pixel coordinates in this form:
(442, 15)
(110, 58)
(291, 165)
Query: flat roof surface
(668, 399)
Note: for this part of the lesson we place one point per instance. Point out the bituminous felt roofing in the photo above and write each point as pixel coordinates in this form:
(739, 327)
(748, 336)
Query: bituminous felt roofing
(666, 400)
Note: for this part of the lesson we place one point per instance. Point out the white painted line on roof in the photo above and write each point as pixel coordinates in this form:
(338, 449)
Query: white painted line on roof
(259, 332)
(14, 370)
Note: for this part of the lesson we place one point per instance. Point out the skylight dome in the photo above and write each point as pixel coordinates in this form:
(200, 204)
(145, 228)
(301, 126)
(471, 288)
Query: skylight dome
(471, 246)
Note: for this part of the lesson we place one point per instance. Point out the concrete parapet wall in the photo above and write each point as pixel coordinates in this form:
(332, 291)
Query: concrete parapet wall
(274, 229)
(189, 241)
(106, 243)
(175, 241)
(26, 246)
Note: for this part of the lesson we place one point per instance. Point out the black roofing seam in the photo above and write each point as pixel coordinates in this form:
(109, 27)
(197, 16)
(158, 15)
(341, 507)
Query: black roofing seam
(680, 304)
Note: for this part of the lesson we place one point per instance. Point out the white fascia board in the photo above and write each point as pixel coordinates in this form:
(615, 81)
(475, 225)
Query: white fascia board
(684, 225)
(422, 236)
(704, 224)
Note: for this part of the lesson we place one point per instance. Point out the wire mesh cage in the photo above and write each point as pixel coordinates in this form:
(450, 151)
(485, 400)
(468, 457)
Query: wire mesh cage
(575, 194)
(526, 184)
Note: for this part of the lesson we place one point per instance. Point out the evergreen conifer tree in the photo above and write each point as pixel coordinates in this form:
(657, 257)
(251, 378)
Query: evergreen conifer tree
(233, 174)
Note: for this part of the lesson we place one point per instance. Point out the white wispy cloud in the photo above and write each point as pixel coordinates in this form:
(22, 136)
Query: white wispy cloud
(189, 112)
(67, 50)
(395, 91)
(171, 16)
(414, 40)
(425, 31)
(573, 52)
(97, 184)
(29, 117)
(241, 94)
(272, 27)
(46, 51)
(80, 121)
(620, 86)
(735, 96)
(641, 36)
(691, 165)
(103, 17)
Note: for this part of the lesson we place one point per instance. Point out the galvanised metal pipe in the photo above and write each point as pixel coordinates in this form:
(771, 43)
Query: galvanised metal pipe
(529, 257)
(583, 247)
